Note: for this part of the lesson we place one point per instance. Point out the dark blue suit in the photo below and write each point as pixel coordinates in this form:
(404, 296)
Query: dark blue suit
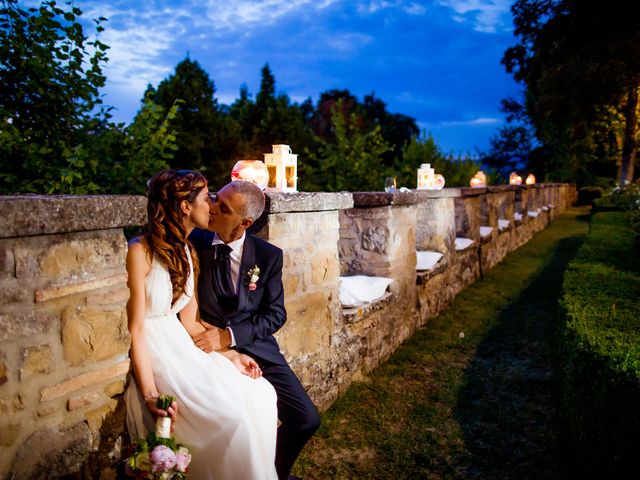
(257, 316)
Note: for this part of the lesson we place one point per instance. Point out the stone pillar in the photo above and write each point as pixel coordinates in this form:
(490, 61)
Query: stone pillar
(63, 333)
(306, 227)
(436, 221)
(468, 211)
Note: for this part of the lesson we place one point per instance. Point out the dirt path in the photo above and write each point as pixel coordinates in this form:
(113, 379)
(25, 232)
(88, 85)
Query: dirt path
(471, 395)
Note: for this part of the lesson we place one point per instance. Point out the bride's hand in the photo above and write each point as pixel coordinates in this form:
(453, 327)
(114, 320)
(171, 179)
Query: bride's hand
(172, 411)
(246, 365)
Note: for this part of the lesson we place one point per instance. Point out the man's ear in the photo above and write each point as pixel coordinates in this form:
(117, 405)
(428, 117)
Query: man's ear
(246, 222)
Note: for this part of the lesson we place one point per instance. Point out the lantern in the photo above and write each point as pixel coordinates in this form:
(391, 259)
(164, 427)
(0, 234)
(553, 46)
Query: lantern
(531, 179)
(282, 166)
(425, 176)
(251, 170)
(479, 180)
(438, 182)
(515, 179)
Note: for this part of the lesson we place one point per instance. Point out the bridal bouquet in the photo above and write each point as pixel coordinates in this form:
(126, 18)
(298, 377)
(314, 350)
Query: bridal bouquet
(158, 457)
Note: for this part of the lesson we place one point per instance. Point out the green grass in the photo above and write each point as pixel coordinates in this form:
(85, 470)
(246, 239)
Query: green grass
(474, 406)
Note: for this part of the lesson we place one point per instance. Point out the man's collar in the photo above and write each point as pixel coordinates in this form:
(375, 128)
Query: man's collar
(235, 245)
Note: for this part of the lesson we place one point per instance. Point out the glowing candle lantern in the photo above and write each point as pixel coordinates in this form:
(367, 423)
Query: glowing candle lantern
(479, 180)
(251, 170)
(438, 182)
(531, 179)
(426, 176)
(515, 179)
(282, 166)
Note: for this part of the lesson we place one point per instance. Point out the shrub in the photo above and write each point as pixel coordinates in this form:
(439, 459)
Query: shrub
(586, 195)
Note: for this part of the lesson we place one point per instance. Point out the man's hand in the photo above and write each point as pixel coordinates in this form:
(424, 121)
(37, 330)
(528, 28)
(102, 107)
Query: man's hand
(213, 339)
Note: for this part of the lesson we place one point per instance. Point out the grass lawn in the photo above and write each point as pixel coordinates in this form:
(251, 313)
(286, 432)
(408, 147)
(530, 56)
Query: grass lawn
(471, 395)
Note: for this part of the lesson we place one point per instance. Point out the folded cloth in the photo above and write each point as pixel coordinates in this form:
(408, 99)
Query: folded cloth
(427, 260)
(517, 217)
(485, 231)
(463, 243)
(532, 213)
(503, 223)
(360, 289)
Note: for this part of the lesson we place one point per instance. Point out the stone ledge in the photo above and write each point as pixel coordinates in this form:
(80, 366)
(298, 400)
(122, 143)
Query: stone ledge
(381, 199)
(352, 315)
(280, 202)
(501, 188)
(423, 276)
(28, 215)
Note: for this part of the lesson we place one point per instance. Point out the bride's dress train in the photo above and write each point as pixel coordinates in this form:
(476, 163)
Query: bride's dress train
(226, 419)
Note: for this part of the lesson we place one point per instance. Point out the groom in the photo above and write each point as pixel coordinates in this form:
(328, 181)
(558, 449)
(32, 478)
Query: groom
(240, 293)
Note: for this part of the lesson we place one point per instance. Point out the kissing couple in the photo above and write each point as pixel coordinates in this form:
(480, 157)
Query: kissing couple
(205, 299)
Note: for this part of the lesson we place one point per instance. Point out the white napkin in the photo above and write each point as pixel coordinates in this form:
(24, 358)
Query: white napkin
(427, 260)
(360, 289)
(463, 243)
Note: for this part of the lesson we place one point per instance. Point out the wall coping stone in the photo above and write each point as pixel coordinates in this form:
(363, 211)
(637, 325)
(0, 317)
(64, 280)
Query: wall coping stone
(28, 215)
(280, 202)
(381, 199)
(501, 188)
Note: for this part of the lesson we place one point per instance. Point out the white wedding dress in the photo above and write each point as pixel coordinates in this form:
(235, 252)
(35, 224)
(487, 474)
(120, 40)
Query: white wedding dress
(226, 419)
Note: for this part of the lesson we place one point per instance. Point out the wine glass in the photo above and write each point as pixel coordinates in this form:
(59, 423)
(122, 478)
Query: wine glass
(389, 184)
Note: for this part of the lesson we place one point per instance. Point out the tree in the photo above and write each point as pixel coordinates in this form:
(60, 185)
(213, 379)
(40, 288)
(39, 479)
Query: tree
(578, 61)
(352, 162)
(205, 139)
(49, 99)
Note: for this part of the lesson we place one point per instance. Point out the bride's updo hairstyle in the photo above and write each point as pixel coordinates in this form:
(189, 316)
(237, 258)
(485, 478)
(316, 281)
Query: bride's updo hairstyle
(165, 232)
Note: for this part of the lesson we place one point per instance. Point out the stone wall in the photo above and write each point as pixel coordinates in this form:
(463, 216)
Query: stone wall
(63, 331)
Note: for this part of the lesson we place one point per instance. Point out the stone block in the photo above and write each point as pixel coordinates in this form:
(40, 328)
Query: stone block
(309, 326)
(3, 372)
(52, 453)
(114, 388)
(15, 325)
(92, 334)
(14, 291)
(80, 381)
(7, 260)
(9, 432)
(36, 361)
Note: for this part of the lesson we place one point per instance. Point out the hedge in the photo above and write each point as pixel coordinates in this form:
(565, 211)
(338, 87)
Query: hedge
(600, 365)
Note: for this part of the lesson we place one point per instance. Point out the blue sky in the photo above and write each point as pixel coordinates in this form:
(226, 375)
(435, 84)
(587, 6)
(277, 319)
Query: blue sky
(436, 61)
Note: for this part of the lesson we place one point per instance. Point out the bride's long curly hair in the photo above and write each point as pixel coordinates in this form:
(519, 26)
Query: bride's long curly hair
(165, 232)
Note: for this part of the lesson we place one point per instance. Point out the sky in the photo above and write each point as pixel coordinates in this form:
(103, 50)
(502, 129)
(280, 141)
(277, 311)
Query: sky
(437, 61)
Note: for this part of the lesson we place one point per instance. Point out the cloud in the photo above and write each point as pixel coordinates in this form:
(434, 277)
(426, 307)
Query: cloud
(486, 15)
(481, 121)
(238, 14)
(373, 6)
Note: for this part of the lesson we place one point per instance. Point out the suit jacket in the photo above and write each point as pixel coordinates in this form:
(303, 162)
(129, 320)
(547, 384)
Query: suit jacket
(260, 313)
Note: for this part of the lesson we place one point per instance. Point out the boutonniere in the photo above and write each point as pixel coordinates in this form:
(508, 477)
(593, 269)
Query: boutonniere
(254, 276)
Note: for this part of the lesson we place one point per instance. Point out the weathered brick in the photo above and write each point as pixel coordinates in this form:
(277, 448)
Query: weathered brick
(82, 400)
(89, 378)
(74, 285)
(48, 409)
(91, 334)
(116, 296)
(36, 360)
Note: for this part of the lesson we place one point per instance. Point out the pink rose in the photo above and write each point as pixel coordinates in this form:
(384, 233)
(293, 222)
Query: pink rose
(252, 287)
(162, 459)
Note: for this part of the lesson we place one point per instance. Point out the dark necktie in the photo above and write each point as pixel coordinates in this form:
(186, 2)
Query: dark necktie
(222, 281)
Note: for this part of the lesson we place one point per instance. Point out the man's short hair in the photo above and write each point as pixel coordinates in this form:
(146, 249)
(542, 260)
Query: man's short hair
(254, 198)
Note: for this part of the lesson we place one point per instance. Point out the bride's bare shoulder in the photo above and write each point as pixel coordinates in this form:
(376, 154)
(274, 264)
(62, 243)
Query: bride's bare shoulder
(139, 249)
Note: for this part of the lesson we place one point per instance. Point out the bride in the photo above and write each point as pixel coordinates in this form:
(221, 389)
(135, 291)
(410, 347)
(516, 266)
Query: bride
(227, 414)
